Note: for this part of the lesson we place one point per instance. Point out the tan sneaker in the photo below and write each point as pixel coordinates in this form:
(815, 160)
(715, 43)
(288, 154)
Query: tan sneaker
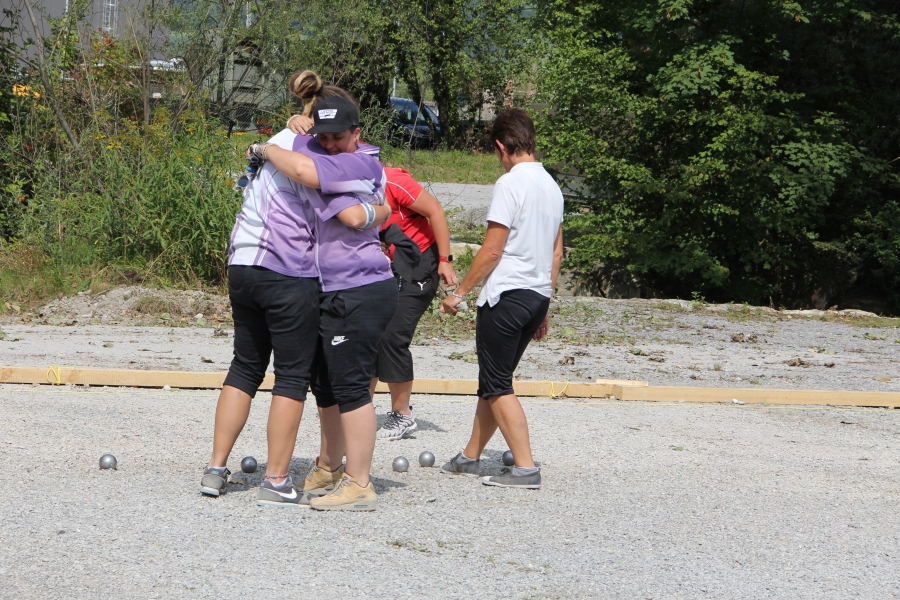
(347, 495)
(321, 481)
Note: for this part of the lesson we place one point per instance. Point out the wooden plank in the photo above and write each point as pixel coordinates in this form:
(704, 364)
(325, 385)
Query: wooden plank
(118, 377)
(756, 396)
(624, 390)
(622, 382)
(188, 379)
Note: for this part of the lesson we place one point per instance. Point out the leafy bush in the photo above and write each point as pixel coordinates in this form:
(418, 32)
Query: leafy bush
(720, 154)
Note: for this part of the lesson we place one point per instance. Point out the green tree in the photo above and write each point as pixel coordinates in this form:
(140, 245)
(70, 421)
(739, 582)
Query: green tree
(740, 150)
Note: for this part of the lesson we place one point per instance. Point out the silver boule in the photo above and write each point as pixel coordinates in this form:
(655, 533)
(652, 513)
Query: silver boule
(508, 459)
(426, 459)
(108, 461)
(248, 464)
(400, 464)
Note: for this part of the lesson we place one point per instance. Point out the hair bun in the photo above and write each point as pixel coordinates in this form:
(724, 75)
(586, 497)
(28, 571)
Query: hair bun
(305, 85)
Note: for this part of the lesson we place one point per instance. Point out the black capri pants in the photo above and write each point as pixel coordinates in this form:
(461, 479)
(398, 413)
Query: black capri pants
(351, 323)
(395, 361)
(502, 333)
(273, 312)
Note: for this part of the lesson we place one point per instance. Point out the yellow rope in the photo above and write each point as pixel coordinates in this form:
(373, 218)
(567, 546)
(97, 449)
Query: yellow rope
(52, 370)
(553, 394)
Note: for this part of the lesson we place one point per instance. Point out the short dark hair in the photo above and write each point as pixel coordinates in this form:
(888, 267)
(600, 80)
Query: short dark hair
(515, 130)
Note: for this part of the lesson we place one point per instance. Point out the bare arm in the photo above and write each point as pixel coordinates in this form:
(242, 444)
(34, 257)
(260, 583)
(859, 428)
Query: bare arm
(355, 216)
(429, 207)
(484, 262)
(293, 165)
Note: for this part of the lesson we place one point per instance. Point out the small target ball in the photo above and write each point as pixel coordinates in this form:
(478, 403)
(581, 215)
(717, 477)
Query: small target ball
(108, 461)
(508, 459)
(401, 465)
(248, 464)
(426, 459)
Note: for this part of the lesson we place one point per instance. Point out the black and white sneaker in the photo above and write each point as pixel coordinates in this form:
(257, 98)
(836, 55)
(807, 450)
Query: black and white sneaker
(454, 467)
(288, 495)
(214, 480)
(397, 426)
(506, 478)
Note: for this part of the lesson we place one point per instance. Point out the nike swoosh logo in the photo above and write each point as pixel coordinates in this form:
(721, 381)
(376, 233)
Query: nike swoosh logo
(292, 495)
(336, 342)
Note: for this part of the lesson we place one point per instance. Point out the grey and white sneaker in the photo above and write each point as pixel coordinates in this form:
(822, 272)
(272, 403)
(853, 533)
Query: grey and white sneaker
(469, 469)
(289, 495)
(506, 478)
(397, 426)
(214, 480)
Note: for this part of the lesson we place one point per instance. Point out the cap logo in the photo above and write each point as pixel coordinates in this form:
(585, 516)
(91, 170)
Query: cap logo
(328, 113)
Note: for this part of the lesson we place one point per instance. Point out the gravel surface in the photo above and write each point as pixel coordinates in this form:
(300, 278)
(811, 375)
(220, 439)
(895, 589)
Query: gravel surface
(639, 501)
(663, 342)
(462, 195)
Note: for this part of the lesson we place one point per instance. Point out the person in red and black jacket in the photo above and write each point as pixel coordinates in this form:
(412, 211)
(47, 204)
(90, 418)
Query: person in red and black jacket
(417, 223)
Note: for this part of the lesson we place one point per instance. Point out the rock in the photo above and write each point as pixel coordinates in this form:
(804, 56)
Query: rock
(167, 388)
(658, 359)
(203, 359)
(737, 337)
(567, 360)
(736, 401)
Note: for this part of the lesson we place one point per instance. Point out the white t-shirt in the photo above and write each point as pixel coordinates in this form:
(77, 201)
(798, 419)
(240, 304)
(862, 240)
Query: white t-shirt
(528, 201)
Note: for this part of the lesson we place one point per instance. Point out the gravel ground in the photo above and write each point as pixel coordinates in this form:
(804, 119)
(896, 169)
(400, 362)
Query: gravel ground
(462, 195)
(659, 341)
(639, 501)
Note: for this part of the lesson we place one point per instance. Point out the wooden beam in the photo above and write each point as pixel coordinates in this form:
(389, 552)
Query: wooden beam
(623, 390)
(756, 396)
(188, 379)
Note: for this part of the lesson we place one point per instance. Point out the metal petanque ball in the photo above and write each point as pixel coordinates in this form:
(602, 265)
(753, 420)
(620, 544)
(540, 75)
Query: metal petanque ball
(426, 459)
(108, 461)
(508, 459)
(401, 465)
(248, 464)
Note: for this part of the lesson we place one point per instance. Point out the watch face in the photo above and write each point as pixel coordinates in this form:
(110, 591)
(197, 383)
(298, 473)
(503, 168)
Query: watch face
(449, 258)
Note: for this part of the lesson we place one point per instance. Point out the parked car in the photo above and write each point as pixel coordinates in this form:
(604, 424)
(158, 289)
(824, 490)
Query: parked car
(413, 125)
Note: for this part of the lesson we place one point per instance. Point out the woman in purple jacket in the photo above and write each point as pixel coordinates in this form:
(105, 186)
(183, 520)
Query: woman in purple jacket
(357, 301)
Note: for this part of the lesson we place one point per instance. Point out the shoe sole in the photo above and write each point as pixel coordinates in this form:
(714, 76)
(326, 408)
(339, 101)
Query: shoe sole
(207, 491)
(367, 506)
(279, 504)
(527, 486)
(459, 473)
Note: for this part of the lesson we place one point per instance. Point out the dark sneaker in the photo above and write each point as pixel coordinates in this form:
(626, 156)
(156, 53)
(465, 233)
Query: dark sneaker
(289, 495)
(397, 426)
(214, 479)
(507, 479)
(471, 469)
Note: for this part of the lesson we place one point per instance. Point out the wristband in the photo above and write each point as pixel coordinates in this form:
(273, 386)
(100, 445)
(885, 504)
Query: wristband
(370, 215)
(457, 296)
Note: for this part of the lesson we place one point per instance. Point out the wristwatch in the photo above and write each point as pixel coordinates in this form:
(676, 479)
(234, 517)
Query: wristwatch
(448, 258)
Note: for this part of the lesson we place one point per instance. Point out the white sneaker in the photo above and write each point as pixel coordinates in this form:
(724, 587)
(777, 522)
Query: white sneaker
(397, 426)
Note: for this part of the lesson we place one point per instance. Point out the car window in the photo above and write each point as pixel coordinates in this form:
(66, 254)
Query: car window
(408, 113)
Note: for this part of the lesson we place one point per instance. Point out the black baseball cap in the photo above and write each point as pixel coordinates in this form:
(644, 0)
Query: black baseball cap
(334, 115)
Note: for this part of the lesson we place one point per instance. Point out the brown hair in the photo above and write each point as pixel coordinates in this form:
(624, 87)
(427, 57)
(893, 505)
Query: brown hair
(515, 130)
(308, 86)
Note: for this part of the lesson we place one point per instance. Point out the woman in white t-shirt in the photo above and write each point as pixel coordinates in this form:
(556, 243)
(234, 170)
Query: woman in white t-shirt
(519, 263)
